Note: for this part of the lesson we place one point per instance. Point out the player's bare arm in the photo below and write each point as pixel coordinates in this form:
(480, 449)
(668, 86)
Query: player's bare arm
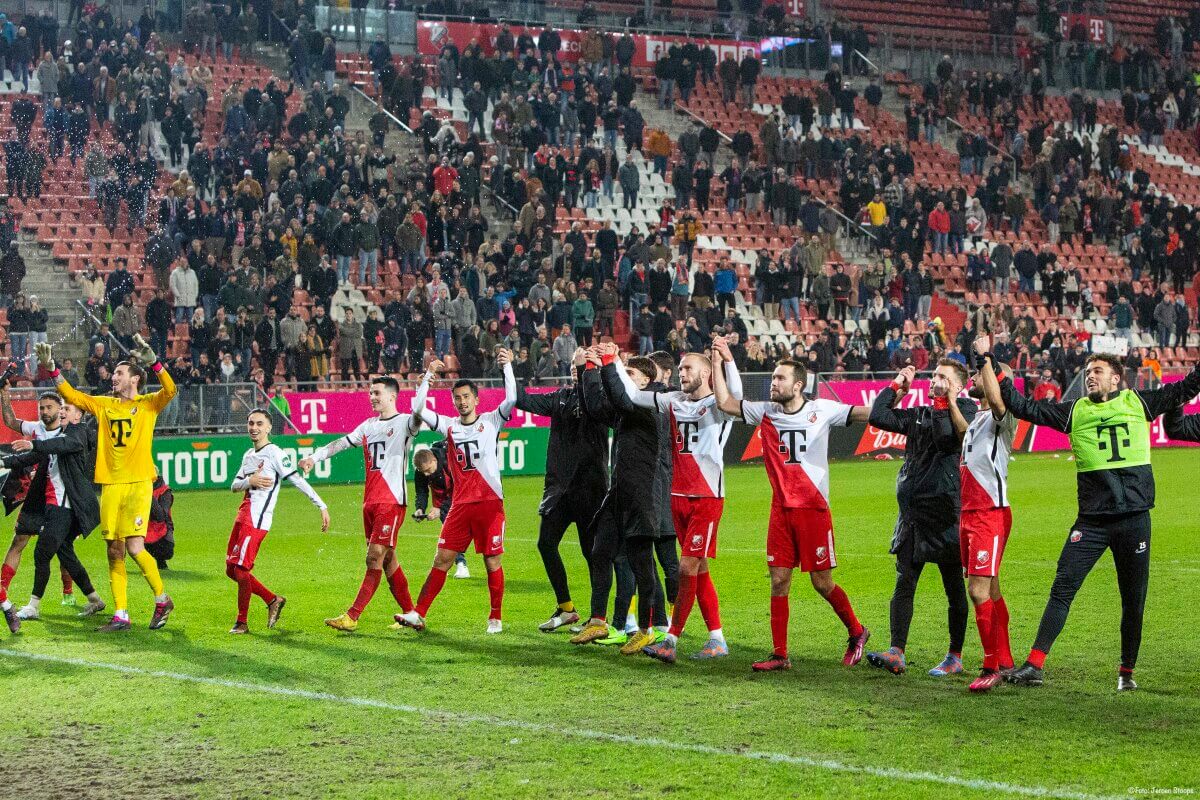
(10, 418)
(725, 401)
(988, 380)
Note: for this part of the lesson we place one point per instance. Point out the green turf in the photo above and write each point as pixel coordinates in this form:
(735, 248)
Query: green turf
(86, 731)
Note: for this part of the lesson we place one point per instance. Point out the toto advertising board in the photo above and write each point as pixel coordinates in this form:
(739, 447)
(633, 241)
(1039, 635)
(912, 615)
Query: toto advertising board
(210, 462)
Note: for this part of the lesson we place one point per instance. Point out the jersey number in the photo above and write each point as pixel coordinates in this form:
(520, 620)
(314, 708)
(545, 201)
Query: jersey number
(792, 444)
(119, 430)
(465, 454)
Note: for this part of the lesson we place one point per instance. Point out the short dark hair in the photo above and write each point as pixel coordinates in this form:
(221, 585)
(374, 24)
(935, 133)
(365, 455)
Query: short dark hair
(261, 411)
(135, 370)
(1108, 358)
(50, 396)
(955, 365)
(388, 381)
(467, 382)
(423, 455)
(663, 360)
(644, 365)
(799, 371)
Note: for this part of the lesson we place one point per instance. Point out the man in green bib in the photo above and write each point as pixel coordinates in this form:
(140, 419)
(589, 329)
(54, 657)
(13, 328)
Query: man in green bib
(1110, 440)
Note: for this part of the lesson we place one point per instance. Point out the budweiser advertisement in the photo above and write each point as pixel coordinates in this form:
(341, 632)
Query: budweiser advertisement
(341, 412)
(432, 36)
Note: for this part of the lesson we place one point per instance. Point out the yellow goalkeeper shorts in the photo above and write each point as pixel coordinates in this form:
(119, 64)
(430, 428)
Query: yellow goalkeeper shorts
(125, 509)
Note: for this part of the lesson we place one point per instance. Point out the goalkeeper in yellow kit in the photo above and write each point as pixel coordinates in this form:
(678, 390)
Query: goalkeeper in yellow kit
(125, 470)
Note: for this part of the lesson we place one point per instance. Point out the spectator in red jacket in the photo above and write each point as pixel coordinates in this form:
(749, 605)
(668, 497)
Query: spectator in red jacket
(939, 226)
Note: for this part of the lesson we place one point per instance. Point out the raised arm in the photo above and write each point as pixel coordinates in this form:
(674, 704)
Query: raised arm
(1051, 414)
(883, 415)
(726, 401)
(957, 421)
(595, 400)
(143, 353)
(505, 409)
(418, 401)
(419, 411)
(1171, 395)
(1181, 427)
(10, 418)
(987, 380)
(622, 389)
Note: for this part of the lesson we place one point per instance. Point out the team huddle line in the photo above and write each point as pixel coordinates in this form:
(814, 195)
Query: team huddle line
(647, 508)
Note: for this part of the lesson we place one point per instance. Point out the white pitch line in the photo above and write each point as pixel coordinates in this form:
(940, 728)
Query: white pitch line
(455, 717)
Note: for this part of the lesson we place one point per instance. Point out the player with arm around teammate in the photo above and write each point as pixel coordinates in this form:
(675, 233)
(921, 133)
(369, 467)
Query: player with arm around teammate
(795, 443)
(264, 467)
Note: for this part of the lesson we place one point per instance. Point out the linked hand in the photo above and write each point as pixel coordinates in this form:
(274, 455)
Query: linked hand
(306, 465)
(22, 446)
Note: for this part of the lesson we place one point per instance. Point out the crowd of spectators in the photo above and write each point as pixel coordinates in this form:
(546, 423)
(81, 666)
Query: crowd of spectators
(283, 208)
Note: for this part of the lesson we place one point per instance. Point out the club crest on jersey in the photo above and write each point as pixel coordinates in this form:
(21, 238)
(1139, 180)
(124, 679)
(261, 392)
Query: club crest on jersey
(1076, 536)
(389, 432)
(137, 522)
(822, 553)
(697, 540)
(982, 557)
(480, 428)
(812, 418)
(387, 529)
(497, 539)
(133, 411)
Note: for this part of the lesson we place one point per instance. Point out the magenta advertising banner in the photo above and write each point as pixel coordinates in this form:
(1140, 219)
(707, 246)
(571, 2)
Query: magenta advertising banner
(341, 412)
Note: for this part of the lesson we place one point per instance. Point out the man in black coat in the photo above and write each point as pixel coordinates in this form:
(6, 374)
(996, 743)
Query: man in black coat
(576, 480)
(61, 503)
(928, 493)
(630, 518)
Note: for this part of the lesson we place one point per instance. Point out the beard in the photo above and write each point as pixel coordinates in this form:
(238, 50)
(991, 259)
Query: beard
(975, 392)
(938, 391)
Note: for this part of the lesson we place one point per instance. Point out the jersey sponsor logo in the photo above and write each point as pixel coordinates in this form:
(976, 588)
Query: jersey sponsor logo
(376, 453)
(982, 557)
(119, 430)
(1076, 536)
(1115, 440)
(465, 453)
(792, 444)
(687, 436)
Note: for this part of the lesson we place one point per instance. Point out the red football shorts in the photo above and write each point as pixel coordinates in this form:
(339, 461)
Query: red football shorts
(800, 537)
(696, 521)
(381, 523)
(244, 541)
(982, 536)
(481, 523)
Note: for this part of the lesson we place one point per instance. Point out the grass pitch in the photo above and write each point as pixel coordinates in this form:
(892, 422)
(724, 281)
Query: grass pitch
(304, 712)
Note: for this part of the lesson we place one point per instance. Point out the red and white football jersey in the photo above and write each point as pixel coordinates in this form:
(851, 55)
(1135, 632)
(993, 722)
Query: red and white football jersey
(472, 451)
(385, 444)
(276, 464)
(796, 448)
(986, 448)
(56, 490)
(472, 454)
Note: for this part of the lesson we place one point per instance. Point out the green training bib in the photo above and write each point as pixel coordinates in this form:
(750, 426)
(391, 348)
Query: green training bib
(1110, 435)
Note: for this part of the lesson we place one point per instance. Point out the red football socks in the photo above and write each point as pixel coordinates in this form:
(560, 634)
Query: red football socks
(433, 585)
(247, 585)
(780, 610)
(399, 584)
(68, 584)
(1003, 647)
(496, 592)
(683, 603)
(1037, 658)
(706, 598)
(841, 606)
(985, 620)
(366, 591)
(6, 575)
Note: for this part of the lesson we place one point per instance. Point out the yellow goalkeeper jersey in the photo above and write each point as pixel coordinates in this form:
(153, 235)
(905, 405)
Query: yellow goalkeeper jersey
(126, 430)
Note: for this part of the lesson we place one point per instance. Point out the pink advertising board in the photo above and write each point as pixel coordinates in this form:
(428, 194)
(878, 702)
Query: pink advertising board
(341, 412)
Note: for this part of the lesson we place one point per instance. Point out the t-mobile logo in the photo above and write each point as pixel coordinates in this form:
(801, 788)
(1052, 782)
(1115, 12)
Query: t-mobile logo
(1115, 440)
(686, 436)
(312, 414)
(792, 444)
(466, 454)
